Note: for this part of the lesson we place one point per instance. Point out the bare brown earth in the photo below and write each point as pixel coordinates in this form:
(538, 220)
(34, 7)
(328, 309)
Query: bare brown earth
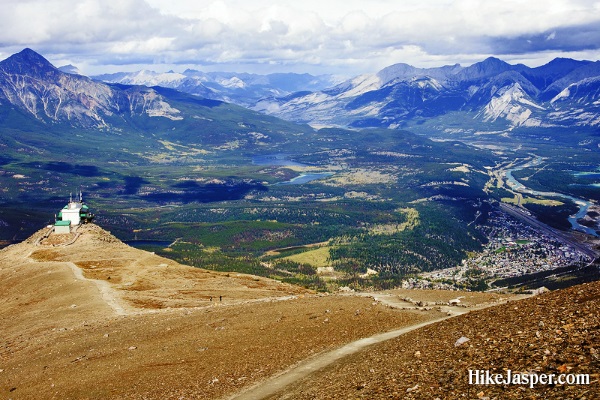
(553, 333)
(84, 316)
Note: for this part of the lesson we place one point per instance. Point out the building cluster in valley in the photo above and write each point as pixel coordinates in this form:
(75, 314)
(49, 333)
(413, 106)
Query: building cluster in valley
(514, 249)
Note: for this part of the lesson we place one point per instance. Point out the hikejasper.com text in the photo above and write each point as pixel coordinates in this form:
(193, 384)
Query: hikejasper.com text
(485, 377)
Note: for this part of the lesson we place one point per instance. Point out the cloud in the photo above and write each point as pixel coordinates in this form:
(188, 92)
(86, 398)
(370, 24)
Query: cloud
(567, 39)
(350, 35)
(83, 21)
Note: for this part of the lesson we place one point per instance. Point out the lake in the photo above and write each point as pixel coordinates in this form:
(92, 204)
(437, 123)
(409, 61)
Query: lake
(283, 160)
(305, 178)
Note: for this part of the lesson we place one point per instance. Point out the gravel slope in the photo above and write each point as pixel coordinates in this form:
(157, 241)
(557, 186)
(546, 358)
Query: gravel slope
(556, 332)
(97, 319)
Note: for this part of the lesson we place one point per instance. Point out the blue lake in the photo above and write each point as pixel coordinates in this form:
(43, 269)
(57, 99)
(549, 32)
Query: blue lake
(594, 174)
(305, 178)
(282, 160)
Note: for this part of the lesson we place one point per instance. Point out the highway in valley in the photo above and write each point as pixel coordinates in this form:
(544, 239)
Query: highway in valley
(563, 237)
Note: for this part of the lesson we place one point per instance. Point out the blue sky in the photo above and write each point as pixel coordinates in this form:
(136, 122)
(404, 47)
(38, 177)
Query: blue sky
(346, 37)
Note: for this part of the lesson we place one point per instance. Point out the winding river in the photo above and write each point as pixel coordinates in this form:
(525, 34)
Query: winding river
(517, 186)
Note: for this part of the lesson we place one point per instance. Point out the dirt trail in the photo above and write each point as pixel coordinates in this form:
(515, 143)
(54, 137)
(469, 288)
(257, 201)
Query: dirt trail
(131, 281)
(302, 370)
(106, 291)
(314, 364)
(72, 313)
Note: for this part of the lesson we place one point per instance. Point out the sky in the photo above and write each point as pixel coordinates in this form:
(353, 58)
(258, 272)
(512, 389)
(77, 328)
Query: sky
(343, 37)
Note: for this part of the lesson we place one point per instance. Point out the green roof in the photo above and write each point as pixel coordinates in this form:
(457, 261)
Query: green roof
(62, 223)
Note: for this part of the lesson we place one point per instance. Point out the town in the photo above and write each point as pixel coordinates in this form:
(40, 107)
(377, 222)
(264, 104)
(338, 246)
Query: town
(514, 249)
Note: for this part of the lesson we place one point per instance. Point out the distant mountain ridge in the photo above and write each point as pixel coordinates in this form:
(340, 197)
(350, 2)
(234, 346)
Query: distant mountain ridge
(492, 93)
(492, 90)
(561, 93)
(244, 89)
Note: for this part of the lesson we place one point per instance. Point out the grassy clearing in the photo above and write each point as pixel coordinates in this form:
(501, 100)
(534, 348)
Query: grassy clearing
(461, 168)
(361, 176)
(317, 258)
(412, 221)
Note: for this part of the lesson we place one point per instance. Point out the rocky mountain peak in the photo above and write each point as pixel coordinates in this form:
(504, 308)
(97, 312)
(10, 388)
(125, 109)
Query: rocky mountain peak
(400, 70)
(27, 62)
(33, 85)
(70, 69)
(400, 93)
(489, 67)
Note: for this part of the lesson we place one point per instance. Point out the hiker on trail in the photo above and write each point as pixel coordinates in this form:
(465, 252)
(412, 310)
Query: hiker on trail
(220, 298)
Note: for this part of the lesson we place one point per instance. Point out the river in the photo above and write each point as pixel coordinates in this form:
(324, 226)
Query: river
(584, 205)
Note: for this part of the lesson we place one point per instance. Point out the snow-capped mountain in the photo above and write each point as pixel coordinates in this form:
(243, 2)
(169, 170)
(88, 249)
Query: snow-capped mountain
(561, 92)
(512, 104)
(239, 88)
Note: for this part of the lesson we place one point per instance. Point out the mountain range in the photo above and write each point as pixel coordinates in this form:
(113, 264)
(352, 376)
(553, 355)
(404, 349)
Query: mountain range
(492, 94)
(29, 83)
(243, 89)
(38, 97)
(563, 92)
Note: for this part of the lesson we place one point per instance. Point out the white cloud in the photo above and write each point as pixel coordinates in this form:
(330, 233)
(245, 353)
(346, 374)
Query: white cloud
(351, 35)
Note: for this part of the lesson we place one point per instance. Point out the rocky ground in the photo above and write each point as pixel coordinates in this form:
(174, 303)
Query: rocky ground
(553, 333)
(97, 319)
(139, 279)
(87, 317)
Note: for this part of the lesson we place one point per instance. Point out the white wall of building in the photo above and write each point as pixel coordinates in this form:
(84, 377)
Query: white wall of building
(72, 213)
(62, 229)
